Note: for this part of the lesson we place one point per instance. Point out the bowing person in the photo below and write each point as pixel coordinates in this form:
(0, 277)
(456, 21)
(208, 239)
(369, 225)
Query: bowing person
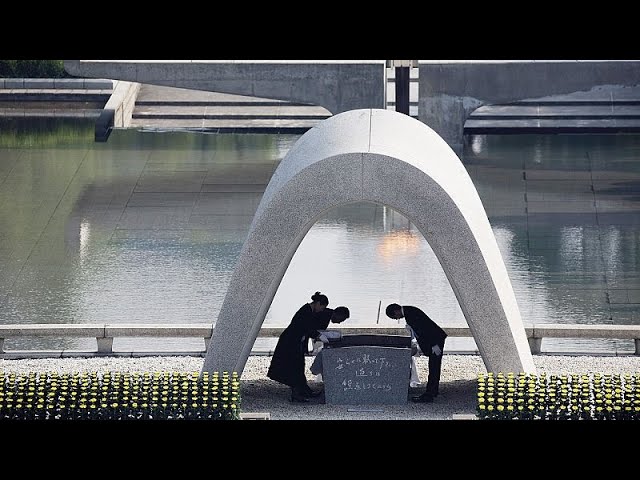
(287, 364)
(430, 339)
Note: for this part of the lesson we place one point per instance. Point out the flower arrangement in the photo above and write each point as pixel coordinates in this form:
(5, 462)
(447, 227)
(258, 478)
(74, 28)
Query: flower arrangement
(120, 396)
(593, 396)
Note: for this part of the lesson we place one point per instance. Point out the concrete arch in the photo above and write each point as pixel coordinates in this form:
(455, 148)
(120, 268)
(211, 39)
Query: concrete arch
(383, 157)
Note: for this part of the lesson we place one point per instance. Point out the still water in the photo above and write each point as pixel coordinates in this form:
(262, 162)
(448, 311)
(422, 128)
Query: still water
(147, 227)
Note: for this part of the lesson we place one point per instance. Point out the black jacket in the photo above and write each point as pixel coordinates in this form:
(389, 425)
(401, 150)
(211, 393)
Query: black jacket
(428, 333)
(320, 321)
(287, 364)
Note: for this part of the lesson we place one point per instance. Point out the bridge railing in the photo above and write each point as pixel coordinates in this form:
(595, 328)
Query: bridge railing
(105, 333)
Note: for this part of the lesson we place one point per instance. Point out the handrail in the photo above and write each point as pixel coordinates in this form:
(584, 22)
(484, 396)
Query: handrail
(104, 333)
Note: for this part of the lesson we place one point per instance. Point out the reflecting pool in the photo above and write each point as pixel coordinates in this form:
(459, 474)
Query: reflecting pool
(147, 227)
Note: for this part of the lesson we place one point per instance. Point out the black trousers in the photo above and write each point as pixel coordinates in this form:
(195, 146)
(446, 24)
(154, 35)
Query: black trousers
(435, 367)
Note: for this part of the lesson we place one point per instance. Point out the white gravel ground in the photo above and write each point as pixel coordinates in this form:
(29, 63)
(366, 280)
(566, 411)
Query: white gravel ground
(260, 394)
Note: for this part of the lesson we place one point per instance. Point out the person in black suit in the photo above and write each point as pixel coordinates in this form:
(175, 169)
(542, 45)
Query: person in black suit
(287, 364)
(430, 339)
(321, 321)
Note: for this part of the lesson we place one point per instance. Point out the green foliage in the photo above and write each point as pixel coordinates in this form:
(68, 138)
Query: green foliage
(33, 69)
(592, 396)
(120, 396)
(45, 132)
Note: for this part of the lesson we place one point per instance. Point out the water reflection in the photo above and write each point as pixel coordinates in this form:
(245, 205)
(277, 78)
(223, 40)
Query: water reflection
(362, 255)
(147, 227)
(44, 132)
(402, 243)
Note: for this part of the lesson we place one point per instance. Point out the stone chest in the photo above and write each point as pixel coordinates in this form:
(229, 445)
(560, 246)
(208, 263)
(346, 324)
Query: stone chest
(367, 370)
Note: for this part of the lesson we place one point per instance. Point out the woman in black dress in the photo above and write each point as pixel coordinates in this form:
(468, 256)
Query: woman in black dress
(287, 363)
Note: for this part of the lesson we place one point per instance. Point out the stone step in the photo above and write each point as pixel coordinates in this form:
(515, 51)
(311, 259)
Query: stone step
(231, 112)
(56, 83)
(256, 125)
(601, 111)
(612, 94)
(53, 95)
(614, 110)
(576, 102)
(92, 113)
(550, 125)
(591, 111)
(63, 94)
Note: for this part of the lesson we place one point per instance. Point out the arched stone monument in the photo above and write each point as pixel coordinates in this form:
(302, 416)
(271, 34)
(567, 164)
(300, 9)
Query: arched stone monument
(388, 158)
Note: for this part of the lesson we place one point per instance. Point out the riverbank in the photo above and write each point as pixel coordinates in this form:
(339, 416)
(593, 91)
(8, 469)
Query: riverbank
(457, 398)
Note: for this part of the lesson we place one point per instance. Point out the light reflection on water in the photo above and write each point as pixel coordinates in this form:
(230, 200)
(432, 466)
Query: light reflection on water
(360, 264)
(147, 228)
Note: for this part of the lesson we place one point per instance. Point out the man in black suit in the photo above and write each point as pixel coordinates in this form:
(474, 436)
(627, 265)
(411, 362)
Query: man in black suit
(430, 339)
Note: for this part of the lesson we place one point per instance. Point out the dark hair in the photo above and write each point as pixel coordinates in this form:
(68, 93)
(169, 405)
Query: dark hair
(320, 298)
(391, 309)
(342, 312)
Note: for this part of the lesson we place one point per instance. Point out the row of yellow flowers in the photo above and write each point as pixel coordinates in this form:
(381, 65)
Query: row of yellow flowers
(120, 395)
(585, 396)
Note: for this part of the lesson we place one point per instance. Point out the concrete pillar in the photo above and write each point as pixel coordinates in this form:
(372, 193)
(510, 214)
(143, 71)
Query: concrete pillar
(402, 89)
(446, 116)
(535, 344)
(105, 345)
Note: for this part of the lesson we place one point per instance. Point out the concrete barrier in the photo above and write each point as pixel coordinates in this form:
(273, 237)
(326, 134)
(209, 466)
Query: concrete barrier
(118, 110)
(105, 333)
(86, 95)
(56, 83)
(337, 85)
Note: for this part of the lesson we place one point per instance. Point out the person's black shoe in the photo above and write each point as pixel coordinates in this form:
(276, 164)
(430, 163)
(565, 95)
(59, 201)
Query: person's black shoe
(309, 393)
(297, 397)
(424, 398)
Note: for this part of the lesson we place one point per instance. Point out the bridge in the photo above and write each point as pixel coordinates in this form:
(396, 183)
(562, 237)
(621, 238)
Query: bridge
(449, 91)
(337, 85)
